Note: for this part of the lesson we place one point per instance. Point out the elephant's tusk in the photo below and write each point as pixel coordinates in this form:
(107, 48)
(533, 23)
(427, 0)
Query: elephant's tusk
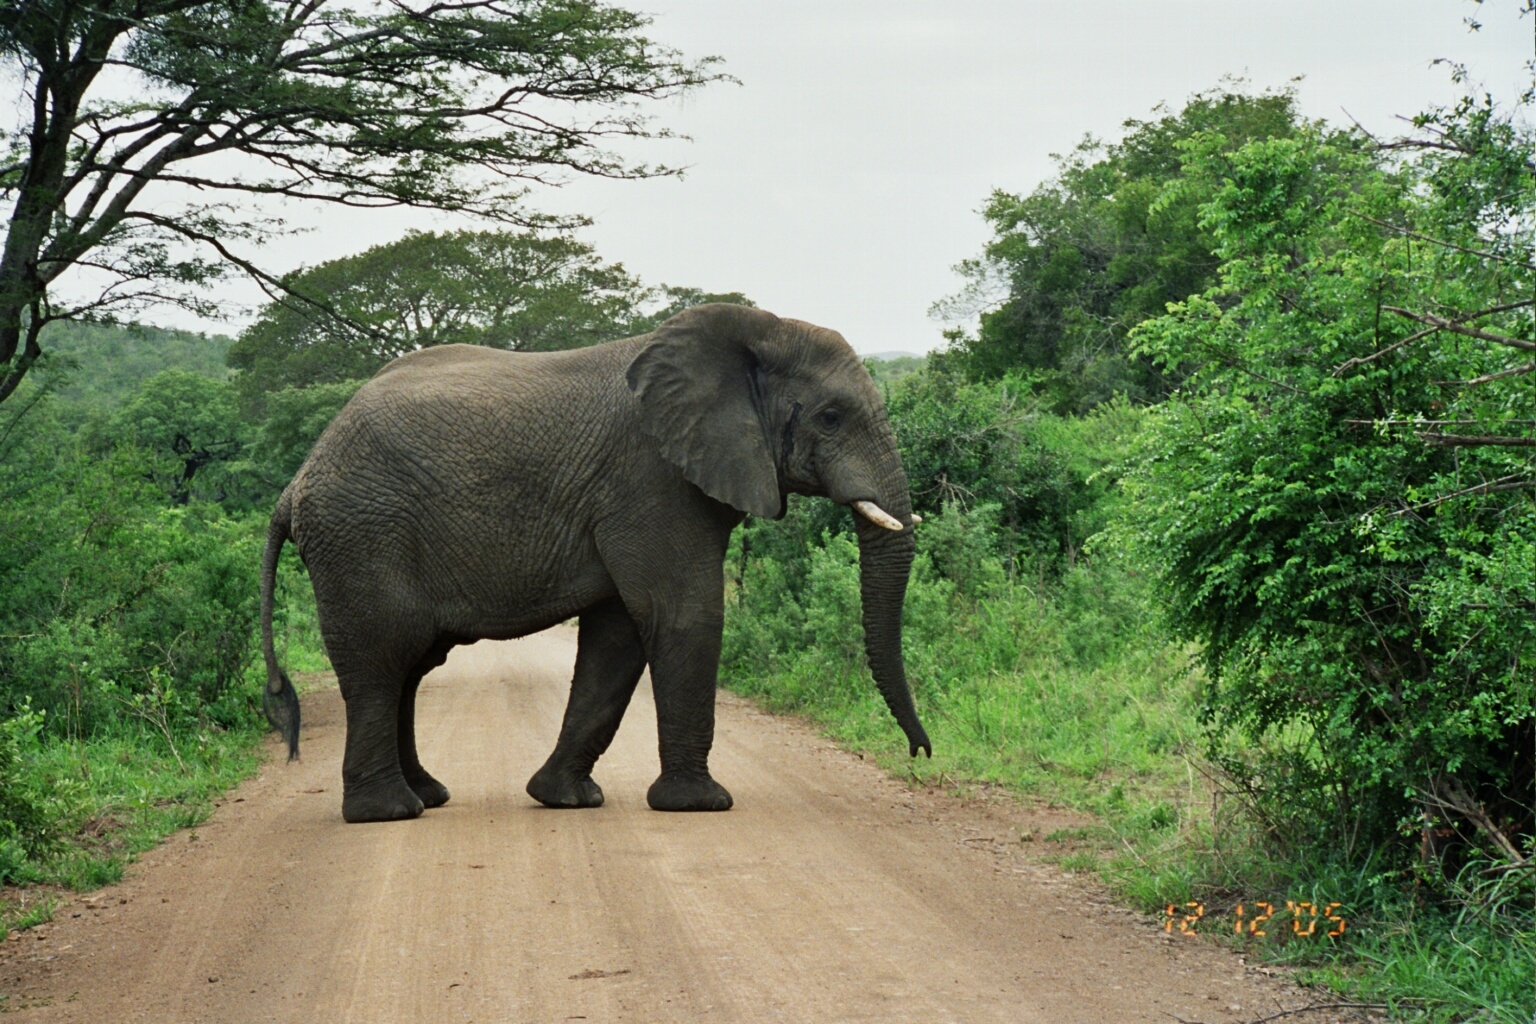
(916, 518)
(877, 515)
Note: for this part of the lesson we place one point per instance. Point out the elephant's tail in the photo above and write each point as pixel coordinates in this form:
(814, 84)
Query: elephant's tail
(278, 698)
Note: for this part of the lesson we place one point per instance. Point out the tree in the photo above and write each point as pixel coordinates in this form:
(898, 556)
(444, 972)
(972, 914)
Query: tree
(295, 419)
(152, 127)
(1077, 263)
(677, 298)
(188, 423)
(1340, 496)
(525, 291)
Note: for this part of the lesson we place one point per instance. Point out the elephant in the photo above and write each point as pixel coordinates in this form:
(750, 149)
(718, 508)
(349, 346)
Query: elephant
(469, 493)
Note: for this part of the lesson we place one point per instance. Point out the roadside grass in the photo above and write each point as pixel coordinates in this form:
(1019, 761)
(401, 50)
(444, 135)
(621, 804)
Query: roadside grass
(1065, 695)
(102, 800)
(130, 792)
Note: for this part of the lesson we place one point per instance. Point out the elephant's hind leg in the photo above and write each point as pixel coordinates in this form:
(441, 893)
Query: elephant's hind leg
(609, 660)
(373, 787)
(431, 792)
(373, 673)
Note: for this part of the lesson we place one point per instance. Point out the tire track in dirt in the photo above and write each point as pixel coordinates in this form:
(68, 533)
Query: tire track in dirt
(830, 893)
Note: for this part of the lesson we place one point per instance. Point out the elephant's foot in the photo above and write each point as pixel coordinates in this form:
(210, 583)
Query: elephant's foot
(431, 792)
(386, 800)
(552, 789)
(675, 791)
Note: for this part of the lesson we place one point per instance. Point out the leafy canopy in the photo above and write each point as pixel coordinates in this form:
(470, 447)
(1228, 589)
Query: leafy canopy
(1077, 263)
(525, 291)
(1342, 494)
(153, 129)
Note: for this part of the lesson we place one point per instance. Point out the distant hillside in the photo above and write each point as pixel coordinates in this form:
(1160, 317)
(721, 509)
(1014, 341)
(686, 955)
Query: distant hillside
(112, 361)
(889, 366)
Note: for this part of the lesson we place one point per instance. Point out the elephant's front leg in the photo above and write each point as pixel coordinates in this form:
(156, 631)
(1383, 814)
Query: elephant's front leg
(685, 660)
(609, 660)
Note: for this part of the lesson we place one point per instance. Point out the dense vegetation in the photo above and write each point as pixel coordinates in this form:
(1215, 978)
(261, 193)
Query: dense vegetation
(127, 613)
(1229, 535)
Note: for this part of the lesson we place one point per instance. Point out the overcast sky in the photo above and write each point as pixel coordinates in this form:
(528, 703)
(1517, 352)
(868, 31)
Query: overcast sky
(839, 183)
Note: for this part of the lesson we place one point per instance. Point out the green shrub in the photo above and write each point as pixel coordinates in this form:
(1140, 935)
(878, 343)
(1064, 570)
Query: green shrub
(1360, 585)
(105, 585)
(33, 808)
(1061, 690)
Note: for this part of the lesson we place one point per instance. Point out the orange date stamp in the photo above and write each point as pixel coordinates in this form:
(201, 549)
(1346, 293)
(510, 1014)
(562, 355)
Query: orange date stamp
(1254, 919)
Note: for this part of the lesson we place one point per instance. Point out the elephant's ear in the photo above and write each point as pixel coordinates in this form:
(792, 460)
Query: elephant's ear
(701, 390)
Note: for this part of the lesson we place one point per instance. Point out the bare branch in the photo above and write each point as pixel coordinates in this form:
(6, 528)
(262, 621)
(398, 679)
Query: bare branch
(1407, 233)
(1362, 360)
(1458, 328)
(1416, 422)
(1512, 372)
(1448, 794)
(1475, 440)
(1350, 364)
(1506, 483)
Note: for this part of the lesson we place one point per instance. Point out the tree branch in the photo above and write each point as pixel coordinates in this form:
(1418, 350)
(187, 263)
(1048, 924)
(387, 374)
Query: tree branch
(273, 286)
(1448, 794)
(1512, 372)
(1448, 245)
(1362, 360)
(1474, 440)
(1458, 328)
(1505, 483)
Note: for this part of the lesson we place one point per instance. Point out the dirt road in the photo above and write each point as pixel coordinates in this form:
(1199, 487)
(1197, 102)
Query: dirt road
(830, 893)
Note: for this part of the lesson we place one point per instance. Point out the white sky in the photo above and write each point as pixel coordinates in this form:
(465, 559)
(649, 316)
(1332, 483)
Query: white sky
(839, 183)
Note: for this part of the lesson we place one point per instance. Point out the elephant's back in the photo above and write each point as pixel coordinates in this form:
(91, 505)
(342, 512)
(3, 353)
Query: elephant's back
(473, 395)
(461, 457)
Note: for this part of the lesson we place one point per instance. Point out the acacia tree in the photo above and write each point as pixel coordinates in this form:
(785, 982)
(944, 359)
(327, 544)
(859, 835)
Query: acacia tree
(151, 129)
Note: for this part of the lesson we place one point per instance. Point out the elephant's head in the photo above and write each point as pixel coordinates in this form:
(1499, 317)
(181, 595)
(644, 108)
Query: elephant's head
(751, 407)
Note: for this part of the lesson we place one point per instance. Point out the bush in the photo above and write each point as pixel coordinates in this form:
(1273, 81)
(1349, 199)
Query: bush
(1061, 689)
(32, 808)
(102, 585)
(1355, 565)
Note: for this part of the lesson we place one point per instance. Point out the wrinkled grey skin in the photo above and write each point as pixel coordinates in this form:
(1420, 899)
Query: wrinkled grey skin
(470, 493)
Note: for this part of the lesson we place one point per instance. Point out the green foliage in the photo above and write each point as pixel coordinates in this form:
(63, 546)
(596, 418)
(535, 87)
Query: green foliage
(1087, 256)
(101, 800)
(188, 423)
(887, 369)
(1059, 691)
(129, 688)
(104, 587)
(30, 809)
(526, 291)
(296, 417)
(987, 444)
(676, 298)
(1362, 589)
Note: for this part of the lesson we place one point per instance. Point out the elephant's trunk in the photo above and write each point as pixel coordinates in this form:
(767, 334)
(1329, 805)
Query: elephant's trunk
(885, 559)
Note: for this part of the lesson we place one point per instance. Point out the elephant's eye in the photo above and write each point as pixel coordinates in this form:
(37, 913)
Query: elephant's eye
(829, 419)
